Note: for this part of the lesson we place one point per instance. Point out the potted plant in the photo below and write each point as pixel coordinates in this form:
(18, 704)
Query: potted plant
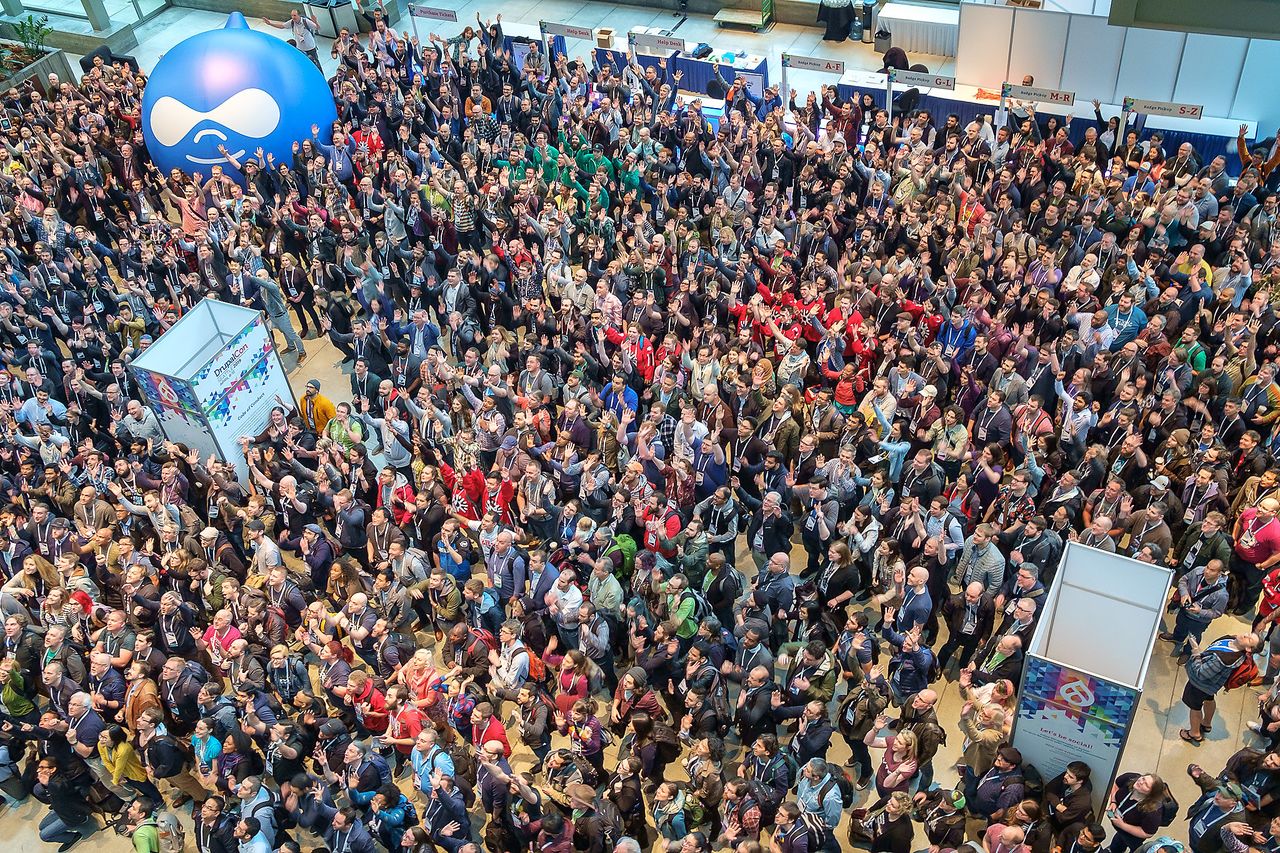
(27, 56)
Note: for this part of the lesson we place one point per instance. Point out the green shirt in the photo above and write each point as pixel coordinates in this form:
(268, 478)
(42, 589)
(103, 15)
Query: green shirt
(146, 838)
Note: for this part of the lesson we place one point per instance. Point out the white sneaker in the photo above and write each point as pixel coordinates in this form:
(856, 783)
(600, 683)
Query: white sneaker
(1255, 727)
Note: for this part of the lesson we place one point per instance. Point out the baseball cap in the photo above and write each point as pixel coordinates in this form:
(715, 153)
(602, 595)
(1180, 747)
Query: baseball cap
(1232, 790)
(955, 798)
(332, 728)
(1161, 482)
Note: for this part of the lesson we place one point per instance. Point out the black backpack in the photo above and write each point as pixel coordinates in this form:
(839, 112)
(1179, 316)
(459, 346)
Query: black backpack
(848, 793)
(766, 799)
(1168, 809)
(667, 742)
(198, 673)
(701, 607)
(610, 820)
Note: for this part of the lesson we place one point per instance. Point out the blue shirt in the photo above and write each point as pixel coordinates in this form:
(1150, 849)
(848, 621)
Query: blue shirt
(829, 808)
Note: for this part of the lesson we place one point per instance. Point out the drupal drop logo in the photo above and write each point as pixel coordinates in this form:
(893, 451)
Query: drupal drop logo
(234, 89)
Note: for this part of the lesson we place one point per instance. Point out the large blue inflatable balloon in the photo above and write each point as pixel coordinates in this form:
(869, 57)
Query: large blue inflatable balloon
(235, 88)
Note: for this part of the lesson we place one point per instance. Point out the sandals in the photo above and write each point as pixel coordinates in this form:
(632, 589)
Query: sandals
(1185, 734)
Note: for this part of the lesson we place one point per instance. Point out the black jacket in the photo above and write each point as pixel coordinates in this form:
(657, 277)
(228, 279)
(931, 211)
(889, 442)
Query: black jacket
(163, 758)
(67, 798)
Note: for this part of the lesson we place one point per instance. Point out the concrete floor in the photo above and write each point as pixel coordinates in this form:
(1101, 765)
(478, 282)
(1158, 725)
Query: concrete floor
(1153, 745)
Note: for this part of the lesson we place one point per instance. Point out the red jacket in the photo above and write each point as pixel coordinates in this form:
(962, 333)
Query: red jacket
(371, 708)
(402, 500)
(664, 519)
(492, 730)
(641, 351)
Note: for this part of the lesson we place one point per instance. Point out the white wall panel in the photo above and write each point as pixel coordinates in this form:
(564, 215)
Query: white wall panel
(1150, 64)
(1210, 71)
(983, 52)
(1256, 98)
(1092, 62)
(1039, 43)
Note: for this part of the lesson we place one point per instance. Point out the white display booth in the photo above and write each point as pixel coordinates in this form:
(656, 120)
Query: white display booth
(214, 377)
(1069, 45)
(1087, 661)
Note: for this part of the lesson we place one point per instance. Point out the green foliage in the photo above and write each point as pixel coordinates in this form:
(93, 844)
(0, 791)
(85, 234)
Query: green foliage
(33, 32)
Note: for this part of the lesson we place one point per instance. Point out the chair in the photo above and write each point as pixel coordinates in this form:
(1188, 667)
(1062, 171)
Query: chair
(86, 61)
(907, 102)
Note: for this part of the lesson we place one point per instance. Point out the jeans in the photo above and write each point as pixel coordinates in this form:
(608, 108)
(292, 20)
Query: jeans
(285, 325)
(861, 756)
(1185, 628)
(146, 789)
(53, 830)
(968, 644)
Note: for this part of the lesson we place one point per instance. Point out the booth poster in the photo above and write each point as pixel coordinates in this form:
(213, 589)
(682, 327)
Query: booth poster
(1066, 715)
(214, 377)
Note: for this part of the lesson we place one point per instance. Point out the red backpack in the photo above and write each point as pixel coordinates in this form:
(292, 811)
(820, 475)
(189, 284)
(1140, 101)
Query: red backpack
(485, 636)
(1244, 673)
(537, 667)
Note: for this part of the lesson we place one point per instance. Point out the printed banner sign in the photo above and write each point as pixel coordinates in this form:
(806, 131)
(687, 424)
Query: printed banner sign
(659, 44)
(566, 30)
(1163, 108)
(919, 78)
(811, 63)
(1031, 93)
(433, 13)
(1065, 715)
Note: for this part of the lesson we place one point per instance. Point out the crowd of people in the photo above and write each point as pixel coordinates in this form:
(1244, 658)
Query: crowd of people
(674, 454)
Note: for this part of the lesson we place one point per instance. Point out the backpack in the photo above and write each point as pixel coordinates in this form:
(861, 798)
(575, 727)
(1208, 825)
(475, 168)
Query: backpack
(701, 607)
(537, 667)
(404, 645)
(848, 793)
(1244, 673)
(461, 758)
(817, 829)
(627, 545)
(463, 761)
(790, 765)
(695, 813)
(667, 742)
(410, 811)
(766, 799)
(198, 673)
(718, 699)
(486, 637)
(173, 836)
(1168, 809)
(1032, 783)
(383, 768)
(610, 820)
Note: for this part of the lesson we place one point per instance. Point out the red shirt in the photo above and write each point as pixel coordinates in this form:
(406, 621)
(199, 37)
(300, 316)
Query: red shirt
(1264, 536)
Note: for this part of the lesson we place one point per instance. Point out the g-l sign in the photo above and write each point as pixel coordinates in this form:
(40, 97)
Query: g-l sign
(917, 78)
(1163, 108)
(566, 30)
(433, 13)
(1031, 93)
(809, 63)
